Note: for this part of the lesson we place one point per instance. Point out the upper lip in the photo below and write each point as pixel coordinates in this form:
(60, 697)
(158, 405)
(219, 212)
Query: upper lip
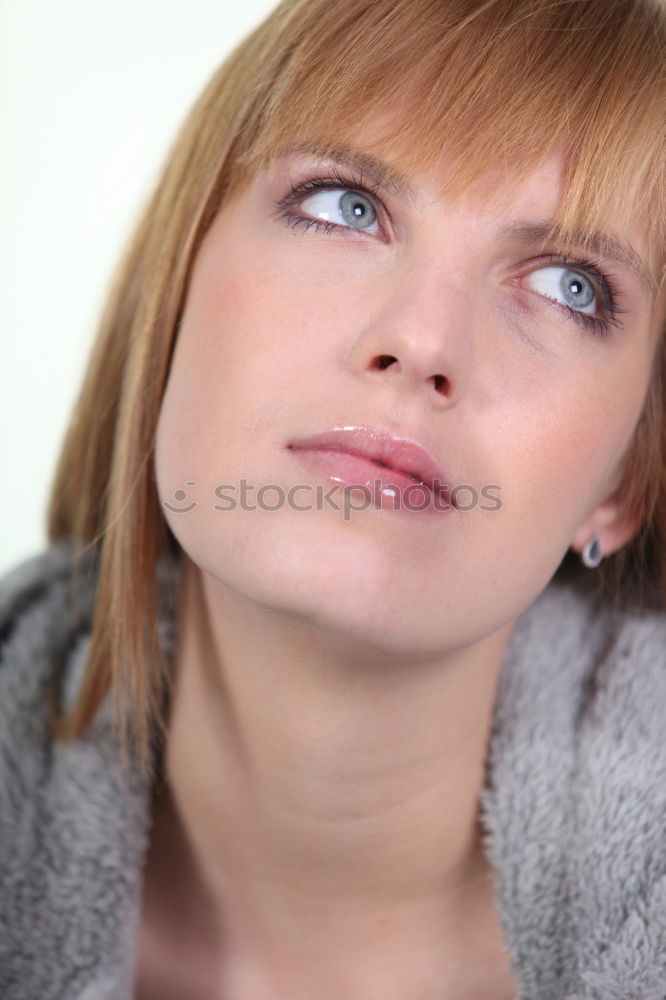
(399, 453)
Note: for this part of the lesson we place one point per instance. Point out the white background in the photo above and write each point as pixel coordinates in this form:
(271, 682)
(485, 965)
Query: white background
(91, 96)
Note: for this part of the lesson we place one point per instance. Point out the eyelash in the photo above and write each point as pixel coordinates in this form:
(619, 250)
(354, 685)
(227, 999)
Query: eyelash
(604, 283)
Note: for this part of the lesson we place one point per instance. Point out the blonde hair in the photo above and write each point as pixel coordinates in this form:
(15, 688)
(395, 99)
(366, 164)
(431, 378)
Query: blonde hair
(501, 82)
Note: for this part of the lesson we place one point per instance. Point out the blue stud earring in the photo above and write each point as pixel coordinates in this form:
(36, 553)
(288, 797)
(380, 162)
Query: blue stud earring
(591, 555)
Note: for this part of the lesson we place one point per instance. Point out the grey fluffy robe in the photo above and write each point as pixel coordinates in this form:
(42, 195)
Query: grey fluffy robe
(574, 804)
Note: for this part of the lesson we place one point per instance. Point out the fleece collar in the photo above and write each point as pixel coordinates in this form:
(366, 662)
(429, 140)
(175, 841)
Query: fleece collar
(573, 808)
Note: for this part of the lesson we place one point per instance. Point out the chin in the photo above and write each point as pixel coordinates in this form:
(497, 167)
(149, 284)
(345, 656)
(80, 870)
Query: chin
(345, 589)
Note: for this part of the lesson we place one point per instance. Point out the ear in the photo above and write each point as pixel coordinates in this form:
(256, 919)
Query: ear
(610, 523)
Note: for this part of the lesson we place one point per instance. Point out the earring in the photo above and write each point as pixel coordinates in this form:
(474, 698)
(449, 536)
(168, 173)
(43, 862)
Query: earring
(591, 555)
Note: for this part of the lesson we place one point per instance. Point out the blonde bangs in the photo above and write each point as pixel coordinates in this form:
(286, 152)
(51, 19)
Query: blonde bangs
(496, 86)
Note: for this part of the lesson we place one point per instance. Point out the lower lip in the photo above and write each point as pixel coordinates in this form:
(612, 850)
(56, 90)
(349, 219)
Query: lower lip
(382, 487)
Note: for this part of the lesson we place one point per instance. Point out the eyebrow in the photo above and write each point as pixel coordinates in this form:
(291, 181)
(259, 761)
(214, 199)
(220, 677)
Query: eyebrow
(370, 168)
(389, 178)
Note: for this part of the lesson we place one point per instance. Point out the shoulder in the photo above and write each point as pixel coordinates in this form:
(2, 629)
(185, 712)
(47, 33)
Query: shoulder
(610, 659)
(575, 800)
(44, 618)
(629, 636)
(34, 582)
(575, 619)
(45, 608)
(47, 604)
(72, 822)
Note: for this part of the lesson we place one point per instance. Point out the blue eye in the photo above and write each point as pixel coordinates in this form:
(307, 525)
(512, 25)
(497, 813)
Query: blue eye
(343, 208)
(569, 288)
(332, 204)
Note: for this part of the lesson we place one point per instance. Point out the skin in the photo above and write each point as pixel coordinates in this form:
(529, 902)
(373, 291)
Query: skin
(335, 679)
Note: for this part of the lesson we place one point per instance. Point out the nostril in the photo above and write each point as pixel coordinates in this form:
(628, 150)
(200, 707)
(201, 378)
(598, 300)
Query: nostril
(384, 360)
(441, 382)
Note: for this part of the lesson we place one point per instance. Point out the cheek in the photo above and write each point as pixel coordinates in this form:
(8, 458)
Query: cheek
(259, 330)
(571, 449)
(229, 351)
(252, 336)
(252, 324)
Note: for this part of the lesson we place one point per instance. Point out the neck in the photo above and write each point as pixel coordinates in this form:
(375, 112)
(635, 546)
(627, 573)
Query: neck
(324, 790)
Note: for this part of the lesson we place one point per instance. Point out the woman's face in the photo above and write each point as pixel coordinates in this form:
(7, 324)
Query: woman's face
(523, 374)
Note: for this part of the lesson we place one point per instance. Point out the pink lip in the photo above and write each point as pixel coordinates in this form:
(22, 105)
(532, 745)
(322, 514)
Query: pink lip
(398, 462)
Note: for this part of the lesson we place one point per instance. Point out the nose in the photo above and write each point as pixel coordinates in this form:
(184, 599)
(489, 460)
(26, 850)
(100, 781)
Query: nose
(419, 340)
